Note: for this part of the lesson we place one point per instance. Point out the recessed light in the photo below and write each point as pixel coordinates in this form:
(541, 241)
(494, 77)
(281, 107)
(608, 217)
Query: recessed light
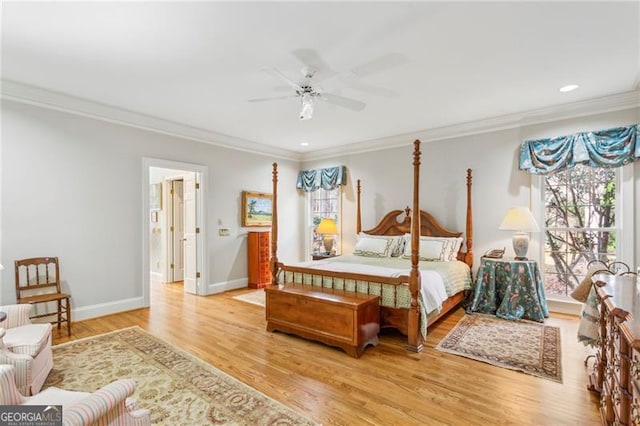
(569, 88)
(304, 143)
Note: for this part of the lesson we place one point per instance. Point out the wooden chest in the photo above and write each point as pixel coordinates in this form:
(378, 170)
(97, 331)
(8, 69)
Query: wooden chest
(348, 320)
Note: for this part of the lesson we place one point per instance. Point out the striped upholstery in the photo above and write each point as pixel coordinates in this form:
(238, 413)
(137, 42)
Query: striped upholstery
(28, 339)
(9, 394)
(17, 315)
(107, 406)
(25, 346)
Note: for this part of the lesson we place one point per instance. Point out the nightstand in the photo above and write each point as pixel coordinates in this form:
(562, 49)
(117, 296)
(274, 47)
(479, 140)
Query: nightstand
(510, 289)
(321, 256)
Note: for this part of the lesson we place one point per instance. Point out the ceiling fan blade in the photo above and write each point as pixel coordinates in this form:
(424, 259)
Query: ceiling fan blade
(314, 62)
(351, 81)
(343, 102)
(274, 98)
(281, 75)
(380, 64)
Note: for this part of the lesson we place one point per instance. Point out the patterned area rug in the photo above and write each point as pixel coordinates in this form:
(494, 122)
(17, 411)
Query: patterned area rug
(525, 346)
(255, 297)
(178, 388)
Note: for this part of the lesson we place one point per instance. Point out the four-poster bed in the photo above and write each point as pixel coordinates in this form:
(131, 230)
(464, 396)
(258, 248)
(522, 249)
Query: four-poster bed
(406, 293)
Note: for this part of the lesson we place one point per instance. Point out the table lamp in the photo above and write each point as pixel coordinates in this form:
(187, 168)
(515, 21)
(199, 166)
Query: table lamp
(521, 220)
(327, 227)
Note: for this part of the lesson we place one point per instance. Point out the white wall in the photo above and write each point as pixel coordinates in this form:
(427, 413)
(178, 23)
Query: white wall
(497, 183)
(72, 188)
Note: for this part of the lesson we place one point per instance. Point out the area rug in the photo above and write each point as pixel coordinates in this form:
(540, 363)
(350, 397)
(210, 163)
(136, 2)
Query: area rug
(525, 346)
(177, 388)
(255, 297)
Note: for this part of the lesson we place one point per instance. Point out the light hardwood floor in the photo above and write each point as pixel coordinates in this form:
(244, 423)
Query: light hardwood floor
(386, 386)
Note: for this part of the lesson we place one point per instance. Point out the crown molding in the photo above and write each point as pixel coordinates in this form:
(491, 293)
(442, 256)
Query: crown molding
(586, 107)
(23, 93)
(37, 96)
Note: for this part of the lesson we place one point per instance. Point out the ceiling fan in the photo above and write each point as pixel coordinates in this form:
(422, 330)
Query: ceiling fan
(307, 89)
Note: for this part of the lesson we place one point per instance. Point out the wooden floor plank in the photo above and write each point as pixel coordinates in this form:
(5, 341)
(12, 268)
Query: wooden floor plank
(386, 386)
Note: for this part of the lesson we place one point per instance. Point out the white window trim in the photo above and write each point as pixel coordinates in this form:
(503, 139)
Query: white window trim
(625, 201)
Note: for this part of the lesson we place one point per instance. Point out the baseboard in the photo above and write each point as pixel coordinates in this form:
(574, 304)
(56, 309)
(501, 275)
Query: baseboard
(156, 276)
(102, 309)
(227, 285)
(565, 307)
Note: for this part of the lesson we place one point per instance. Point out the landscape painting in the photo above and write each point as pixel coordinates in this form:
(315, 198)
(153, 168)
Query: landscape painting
(256, 209)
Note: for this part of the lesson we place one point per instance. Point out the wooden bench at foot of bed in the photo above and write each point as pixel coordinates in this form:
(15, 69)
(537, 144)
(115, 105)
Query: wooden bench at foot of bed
(348, 320)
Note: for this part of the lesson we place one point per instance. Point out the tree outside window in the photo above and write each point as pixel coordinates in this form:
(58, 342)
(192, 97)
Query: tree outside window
(579, 225)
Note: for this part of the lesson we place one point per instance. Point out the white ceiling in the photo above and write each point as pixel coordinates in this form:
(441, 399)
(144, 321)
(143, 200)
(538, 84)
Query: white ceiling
(197, 64)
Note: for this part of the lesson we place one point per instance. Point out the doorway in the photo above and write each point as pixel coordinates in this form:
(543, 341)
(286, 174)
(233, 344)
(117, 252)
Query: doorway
(173, 206)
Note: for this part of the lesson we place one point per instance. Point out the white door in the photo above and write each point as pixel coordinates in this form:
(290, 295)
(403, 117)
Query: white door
(191, 234)
(177, 252)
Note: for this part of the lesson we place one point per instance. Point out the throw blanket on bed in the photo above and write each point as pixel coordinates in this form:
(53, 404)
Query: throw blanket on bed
(588, 328)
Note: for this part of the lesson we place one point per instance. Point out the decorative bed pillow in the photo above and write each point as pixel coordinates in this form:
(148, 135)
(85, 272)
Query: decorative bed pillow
(428, 250)
(373, 246)
(397, 242)
(450, 247)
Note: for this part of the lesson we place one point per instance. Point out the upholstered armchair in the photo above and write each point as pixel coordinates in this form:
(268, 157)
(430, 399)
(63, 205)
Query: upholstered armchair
(27, 347)
(109, 405)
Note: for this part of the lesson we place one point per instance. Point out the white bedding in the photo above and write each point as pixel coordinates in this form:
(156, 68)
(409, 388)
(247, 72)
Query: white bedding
(439, 280)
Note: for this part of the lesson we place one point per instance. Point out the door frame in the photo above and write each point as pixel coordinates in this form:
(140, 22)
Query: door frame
(202, 176)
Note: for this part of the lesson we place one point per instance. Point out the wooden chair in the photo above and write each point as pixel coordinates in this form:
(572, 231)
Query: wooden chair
(38, 282)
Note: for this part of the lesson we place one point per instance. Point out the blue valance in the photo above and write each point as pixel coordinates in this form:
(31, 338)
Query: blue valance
(604, 148)
(329, 178)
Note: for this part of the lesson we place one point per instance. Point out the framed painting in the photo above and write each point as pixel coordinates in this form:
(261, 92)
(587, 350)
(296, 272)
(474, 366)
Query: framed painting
(256, 208)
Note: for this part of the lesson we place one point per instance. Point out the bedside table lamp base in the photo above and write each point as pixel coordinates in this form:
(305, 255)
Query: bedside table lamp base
(328, 244)
(521, 245)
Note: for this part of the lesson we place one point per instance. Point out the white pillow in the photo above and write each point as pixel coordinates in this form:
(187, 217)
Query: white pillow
(451, 246)
(397, 243)
(373, 247)
(428, 250)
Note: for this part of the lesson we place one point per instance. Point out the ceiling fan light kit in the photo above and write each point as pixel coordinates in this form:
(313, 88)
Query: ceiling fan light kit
(306, 112)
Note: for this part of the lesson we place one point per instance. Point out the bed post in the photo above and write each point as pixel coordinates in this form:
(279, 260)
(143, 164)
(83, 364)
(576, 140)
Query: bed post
(358, 210)
(469, 232)
(274, 227)
(414, 336)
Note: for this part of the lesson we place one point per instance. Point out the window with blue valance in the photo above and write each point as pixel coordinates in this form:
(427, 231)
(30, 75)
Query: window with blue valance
(604, 148)
(329, 178)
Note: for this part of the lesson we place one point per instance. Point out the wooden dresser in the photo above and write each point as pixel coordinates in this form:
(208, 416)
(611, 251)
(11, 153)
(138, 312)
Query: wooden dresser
(258, 257)
(616, 374)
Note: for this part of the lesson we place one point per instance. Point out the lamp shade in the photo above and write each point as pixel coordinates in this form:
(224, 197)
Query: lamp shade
(327, 226)
(519, 219)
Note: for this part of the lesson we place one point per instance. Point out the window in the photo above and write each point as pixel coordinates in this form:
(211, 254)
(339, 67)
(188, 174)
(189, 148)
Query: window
(580, 225)
(323, 204)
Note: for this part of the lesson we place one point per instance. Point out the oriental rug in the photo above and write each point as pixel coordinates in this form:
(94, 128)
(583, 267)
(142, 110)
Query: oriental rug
(176, 387)
(255, 297)
(530, 347)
